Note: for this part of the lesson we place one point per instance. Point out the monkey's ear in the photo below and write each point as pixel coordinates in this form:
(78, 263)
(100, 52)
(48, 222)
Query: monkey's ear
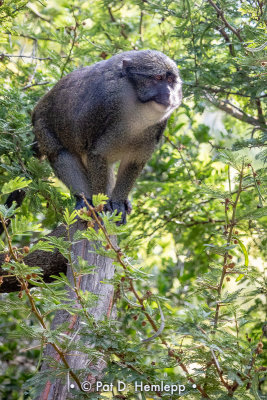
(126, 64)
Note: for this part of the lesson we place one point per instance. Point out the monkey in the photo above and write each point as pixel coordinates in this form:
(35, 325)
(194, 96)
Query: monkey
(113, 111)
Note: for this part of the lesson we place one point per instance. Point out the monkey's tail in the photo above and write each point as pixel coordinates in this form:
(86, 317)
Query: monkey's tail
(18, 197)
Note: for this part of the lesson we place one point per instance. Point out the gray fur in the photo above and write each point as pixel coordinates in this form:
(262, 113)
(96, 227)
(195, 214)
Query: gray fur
(114, 110)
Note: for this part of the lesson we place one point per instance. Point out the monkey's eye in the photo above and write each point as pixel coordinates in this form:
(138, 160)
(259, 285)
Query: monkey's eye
(158, 77)
(170, 79)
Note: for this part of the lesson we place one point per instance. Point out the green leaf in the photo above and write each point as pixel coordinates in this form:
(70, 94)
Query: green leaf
(231, 297)
(70, 218)
(91, 235)
(15, 184)
(83, 267)
(254, 214)
(42, 245)
(9, 305)
(62, 278)
(234, 159)
(239, 277)
(109, 221)
(244, 250)
(143, 396)
(99, 199)
(2, 245)
(211, 248)
(216, 193)
(20, 225)
(202, 133)
(59, 243)
(7, 212)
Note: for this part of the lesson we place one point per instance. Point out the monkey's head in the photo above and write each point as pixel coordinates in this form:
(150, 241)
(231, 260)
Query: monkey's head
(155, 78)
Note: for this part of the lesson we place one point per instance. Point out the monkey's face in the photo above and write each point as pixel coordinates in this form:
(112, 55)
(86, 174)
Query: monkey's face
(158, 83)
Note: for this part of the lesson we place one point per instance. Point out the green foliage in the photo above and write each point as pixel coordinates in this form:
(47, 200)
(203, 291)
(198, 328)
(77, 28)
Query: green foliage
(196, 241)
(17, 183)
(69, 218)
(99, 199)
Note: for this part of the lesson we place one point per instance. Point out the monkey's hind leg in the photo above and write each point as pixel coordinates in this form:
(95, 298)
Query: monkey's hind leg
(71, 172)
(66, 165)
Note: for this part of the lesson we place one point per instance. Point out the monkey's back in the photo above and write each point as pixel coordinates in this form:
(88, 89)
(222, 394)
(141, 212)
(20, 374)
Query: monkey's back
(72, 109)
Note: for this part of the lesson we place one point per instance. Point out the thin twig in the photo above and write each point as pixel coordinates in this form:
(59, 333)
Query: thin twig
(220, 13)
(224, 91)
(234, 111)
(23, 56)
(229, 238)
(37, 14)
(71, 48)
(182, 157)
(220, 372)
(227, 39)
(161, 328)
(30, 37)
(255, 49)
(260, 111)
(36, 84)
(113, 19)
(141, 25)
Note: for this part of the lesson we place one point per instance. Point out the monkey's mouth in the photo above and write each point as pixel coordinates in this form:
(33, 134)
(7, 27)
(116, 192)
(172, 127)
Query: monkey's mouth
(166, 104)
(163, 100)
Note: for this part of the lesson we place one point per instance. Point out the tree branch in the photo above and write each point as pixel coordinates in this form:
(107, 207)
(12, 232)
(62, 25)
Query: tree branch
(260, 111)
(235, 112)
(224, 91)
(71, 48)
(2, 55)
(36, 84)
(30, 37)
(51, 264)
(37, 14)
(227, 39)
(222, 17)
(113, 19)
(141, 25)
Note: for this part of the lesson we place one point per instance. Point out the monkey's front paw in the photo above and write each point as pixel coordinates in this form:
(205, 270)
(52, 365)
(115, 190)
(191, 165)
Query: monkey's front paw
(123, 207)
(80, 203)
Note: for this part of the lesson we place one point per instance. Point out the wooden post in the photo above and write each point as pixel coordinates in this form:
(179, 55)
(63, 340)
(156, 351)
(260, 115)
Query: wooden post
(61, 390)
